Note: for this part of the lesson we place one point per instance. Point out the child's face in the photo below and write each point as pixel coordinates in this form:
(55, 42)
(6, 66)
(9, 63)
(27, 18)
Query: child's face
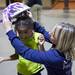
(25, 33)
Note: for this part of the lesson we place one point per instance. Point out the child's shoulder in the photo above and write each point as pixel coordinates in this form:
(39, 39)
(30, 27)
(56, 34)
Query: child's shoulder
(38, 34)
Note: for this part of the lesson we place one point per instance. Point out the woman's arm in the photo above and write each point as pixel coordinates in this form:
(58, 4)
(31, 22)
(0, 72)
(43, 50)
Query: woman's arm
(30, 54)
(26, 52)
(41, 41)
(41, 47)
(40, 29)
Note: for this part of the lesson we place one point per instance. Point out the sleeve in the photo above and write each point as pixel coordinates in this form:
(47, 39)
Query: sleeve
(40, 29)
(30, 3)
(30, 54)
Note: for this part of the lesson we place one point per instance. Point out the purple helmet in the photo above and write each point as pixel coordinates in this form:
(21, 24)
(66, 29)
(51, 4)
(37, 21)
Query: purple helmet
(15, 8)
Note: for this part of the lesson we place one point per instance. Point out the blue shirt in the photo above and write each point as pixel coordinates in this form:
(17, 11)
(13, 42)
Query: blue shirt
(54, 60)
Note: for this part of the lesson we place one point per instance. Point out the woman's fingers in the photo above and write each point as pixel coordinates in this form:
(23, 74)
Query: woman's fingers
(6, 22)
(5, 17)
(41, 39)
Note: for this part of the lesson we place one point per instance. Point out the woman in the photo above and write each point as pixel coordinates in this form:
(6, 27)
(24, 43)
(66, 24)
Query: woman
(58, 59)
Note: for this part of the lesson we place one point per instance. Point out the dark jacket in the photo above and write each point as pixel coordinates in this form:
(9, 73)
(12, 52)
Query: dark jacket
(33, 2)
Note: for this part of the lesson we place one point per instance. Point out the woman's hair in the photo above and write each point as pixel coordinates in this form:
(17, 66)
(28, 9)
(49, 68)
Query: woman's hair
(66, 39)
(24, 23)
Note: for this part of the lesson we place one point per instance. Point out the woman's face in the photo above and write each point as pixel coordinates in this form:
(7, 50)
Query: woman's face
(54, 34)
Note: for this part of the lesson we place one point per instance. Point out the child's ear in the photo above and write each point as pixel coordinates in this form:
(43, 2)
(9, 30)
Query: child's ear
(33, 31)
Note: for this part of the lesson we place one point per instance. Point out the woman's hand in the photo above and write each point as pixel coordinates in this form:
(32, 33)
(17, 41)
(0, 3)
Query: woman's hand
(41, 39)
(41, 42)
(6, 22)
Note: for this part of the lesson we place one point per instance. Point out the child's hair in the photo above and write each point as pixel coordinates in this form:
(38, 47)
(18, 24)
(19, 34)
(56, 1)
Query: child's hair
(66, 39)
(24, 23)
(21, 16)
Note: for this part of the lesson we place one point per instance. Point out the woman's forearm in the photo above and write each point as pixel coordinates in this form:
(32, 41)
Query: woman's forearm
(40, 29)
(25, 51)
(41, 48)
(33, 55)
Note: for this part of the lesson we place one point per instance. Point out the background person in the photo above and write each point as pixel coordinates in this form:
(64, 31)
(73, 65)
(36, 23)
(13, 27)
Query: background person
(66, 4)
(36, 7)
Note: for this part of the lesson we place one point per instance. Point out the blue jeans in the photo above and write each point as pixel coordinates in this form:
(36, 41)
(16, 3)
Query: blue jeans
(66, 3)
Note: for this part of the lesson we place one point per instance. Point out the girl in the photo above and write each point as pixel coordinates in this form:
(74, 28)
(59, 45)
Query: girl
(24, 28)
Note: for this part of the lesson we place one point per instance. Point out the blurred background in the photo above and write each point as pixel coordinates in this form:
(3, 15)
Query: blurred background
(52, 12)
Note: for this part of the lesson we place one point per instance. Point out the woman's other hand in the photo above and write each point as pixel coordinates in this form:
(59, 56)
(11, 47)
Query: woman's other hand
(6, 22)
(41, 39)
